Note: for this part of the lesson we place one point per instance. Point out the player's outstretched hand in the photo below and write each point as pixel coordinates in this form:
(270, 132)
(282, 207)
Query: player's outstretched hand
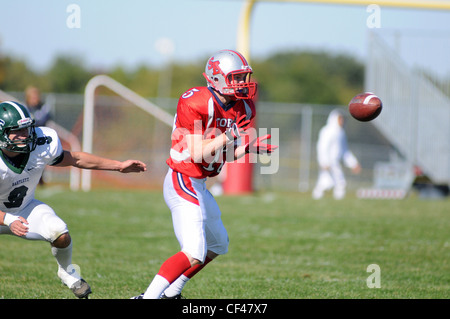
(240, 124)
(132, 166)
(258, 146)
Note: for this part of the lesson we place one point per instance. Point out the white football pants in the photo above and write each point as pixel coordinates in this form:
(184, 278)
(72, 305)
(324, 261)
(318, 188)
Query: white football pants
(43, 223)
(196, 216)
(328, 179)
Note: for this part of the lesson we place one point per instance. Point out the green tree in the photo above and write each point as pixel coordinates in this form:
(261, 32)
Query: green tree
(308, 77)
(16, 75)
(68, 74)
(299, 76)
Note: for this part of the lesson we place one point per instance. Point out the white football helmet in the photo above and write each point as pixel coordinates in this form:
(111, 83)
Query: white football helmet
(228, 72)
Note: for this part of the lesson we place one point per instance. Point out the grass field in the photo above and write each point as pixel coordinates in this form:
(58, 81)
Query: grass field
(282, 246)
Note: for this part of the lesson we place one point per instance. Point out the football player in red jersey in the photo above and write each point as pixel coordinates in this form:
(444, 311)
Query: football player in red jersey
(209, 127)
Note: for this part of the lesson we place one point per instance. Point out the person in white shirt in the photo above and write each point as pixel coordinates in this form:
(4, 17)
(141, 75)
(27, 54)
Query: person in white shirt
(332, 149)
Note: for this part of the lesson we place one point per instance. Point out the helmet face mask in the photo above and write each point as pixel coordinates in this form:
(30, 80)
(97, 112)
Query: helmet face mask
(21, 145)
(228, 72)
(239, 83)
(16, 117)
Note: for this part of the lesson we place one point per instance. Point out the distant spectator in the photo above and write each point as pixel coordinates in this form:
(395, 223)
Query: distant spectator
(332, 148)
(39, 109)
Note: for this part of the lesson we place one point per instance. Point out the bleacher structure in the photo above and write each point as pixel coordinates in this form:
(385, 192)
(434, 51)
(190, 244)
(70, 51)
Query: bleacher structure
(414, 119)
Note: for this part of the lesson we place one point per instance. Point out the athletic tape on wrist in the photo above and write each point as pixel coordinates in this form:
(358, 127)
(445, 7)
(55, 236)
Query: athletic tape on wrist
(9, 219)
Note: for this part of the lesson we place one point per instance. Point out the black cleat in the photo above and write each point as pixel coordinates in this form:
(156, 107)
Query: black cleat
(81, 289)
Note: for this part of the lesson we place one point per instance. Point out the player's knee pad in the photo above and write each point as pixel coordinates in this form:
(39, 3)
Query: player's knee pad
(55, 227)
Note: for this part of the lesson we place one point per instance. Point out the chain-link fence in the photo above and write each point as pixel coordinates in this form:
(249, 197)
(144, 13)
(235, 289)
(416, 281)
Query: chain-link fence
(123, 131)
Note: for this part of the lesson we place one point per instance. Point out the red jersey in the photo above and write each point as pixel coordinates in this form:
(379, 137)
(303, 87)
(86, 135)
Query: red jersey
(199, 111)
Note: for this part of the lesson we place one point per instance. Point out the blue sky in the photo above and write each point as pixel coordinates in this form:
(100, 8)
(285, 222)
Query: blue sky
(123, 32)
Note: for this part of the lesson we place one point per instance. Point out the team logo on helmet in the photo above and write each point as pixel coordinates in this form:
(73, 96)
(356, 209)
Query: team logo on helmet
(214, 65)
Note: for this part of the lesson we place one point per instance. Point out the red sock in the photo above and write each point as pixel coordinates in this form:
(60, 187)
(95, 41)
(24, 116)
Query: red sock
(173, 267)
(193, 270)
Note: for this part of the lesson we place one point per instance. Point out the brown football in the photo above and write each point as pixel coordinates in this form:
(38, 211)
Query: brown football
(365, 107)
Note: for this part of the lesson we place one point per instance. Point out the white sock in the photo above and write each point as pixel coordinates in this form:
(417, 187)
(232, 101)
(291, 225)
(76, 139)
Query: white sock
(66, 271)
(156, 287)
(177, 286)
(63, 256)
